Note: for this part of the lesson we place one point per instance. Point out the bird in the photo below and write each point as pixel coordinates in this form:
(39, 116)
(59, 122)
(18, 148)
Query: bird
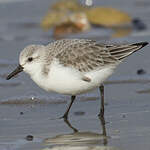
(73, 66)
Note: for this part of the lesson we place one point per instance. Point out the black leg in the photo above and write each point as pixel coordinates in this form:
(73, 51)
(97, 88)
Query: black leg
(65, 116)
(101, 114)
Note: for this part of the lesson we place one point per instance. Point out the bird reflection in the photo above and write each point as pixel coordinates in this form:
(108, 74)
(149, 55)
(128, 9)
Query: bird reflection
(103, 134)
(79, 140)
(70, 125)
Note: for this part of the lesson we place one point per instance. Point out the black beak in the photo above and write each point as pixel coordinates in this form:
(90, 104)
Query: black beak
(16, 71)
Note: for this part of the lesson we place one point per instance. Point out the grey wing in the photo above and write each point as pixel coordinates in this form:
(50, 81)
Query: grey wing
(123, 50)
(86, 56)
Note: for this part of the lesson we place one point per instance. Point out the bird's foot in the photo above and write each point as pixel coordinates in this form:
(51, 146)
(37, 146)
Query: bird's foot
(101, 114)
(65, 117)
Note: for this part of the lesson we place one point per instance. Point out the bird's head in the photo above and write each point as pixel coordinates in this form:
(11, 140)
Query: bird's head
(29, 60)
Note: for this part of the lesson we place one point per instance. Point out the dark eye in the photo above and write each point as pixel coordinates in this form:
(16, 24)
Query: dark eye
(30, 59)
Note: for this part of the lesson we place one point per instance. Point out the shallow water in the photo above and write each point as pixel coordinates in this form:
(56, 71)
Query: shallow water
(25, 109)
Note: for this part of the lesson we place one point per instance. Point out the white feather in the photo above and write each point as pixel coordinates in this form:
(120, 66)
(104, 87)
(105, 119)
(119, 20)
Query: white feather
(66, 80)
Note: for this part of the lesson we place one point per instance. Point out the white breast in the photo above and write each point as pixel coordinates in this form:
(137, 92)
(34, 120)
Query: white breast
(69, 81)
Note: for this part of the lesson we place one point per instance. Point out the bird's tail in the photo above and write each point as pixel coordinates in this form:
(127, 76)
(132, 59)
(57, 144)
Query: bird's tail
(122, 51)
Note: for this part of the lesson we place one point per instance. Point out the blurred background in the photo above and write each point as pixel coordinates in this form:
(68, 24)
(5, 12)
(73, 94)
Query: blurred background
(27, 109)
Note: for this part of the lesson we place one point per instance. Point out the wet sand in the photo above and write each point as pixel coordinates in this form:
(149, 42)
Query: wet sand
(26, 110)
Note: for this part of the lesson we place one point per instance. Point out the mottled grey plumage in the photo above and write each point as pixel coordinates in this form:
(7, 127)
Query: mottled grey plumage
(81, 54)
(30, 50)
(86, 55)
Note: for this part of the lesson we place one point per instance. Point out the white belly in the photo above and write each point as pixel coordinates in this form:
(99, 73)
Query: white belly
(69, 81)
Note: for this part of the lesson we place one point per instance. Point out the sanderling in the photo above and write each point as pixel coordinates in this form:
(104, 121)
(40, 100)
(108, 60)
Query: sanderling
(73, 66)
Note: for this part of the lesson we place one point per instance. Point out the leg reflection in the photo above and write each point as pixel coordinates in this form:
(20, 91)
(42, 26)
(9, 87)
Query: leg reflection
(104, 133)
(102, 138)
(70, 126)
